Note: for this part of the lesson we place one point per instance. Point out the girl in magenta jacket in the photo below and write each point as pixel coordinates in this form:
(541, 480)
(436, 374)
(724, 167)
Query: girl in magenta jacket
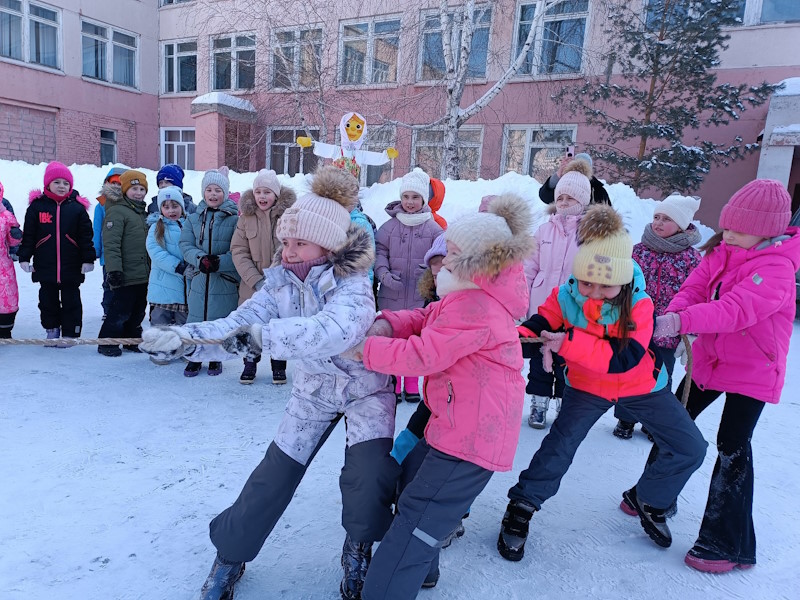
(740, 302)
(549, 266)
(467, 346)
(400, 247)
(10, 236)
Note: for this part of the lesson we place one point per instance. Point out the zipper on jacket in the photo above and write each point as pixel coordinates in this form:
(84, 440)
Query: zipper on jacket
(208, 275)
(450, 398)
(58, 242)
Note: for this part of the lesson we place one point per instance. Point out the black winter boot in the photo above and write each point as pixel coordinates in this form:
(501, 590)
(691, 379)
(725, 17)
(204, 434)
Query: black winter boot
(355, 561)
(220, 581)
(653, 520)
(249, 372)
(514, 530)
(624, 430)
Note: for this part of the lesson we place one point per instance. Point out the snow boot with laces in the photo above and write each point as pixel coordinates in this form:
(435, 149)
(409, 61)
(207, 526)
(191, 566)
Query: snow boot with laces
(221, 580)
(653, 520)
(355, 562)
(538, 416)
(514, 530)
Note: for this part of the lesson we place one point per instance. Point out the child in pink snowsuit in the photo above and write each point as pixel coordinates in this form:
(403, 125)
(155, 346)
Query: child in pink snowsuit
(10, 236)
(740, 302)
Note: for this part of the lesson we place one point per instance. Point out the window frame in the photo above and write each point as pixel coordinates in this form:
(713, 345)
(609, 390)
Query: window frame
(426, 14)
(165, 3)
(297, 45)
(106, 142)
(529, 129)
(369, 56)
(295, 129)
(162, 135)
(232, 52)
(109, 42)
(175, 68)
(25, 20)
(537, 47)
(415, 144)
(753, 14)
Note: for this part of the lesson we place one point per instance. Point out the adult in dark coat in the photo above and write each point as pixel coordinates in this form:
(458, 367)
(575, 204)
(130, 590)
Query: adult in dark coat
(599, 193)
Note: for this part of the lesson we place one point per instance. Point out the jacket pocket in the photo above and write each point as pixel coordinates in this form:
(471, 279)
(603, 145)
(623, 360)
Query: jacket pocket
(73, 242)
(43, 240)
(451, 397)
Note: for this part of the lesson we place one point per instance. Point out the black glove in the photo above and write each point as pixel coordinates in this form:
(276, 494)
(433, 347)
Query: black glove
(115, 279)
(16, 233)
(181, 267)
(209, 264)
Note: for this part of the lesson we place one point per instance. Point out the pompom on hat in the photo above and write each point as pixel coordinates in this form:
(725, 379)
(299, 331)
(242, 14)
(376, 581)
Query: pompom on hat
(679, 208)
(56, 170)
(218, 177)
(762, 207)
(172, 173)
(267, 178)
(417, 181)
(488, 242)
(130, 178)
(322, 216)
(605, 249)
(574, 182)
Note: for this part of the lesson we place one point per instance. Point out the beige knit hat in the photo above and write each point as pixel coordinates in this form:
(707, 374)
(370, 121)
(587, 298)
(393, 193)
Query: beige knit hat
(679, 208)
(322, 216)
(268, 179)
(574, 181)
(417, 181)
(605, 249)
(490, 241)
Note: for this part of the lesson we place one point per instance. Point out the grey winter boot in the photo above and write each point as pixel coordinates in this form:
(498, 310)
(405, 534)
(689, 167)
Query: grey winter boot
(221, 580)
(355, 561)
(538, 416)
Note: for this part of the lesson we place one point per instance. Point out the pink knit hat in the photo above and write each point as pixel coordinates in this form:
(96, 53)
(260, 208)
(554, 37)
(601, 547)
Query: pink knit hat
(268, 179)
(762, 207)
(57, 170)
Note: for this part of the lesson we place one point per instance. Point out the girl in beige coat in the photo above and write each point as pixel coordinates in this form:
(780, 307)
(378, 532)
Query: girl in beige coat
(254, 245)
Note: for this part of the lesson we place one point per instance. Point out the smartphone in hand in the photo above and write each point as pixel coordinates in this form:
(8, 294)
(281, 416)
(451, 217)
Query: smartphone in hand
(570, 152)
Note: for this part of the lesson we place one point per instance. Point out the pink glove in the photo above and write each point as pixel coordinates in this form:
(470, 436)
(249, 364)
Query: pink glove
(551, 345)
(668, 325)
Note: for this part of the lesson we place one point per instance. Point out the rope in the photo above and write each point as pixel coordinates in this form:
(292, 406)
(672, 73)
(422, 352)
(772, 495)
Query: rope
(687, 385)
(67, 342)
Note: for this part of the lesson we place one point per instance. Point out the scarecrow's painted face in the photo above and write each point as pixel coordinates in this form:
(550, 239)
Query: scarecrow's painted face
(354, 128)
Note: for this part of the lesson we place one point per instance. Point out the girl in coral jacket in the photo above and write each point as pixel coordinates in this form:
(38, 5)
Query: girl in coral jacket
(740, 302)
(666, 257)
(57, 236)
(549, 266)
(10, 236)
(601, 322)
(467, 346)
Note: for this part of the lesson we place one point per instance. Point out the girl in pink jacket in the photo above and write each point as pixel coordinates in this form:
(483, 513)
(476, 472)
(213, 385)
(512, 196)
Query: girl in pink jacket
(549, 267)
(740, 302)
(10, 236)
(467, 347)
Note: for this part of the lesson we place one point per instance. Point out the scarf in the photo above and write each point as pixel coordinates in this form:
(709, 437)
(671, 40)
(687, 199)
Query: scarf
(446, 283)
(575, 209)
(302, 269)
(413, 218)
(674, 244)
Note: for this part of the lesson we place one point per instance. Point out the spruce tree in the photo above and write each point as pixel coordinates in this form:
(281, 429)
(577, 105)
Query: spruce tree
(667, 55)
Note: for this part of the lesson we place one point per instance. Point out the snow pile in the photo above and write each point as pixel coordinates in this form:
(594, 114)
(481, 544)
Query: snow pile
(226, 99)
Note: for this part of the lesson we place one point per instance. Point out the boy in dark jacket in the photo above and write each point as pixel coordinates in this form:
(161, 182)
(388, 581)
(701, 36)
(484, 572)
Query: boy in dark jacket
(167, 176)
(127, 261)
(57, 236)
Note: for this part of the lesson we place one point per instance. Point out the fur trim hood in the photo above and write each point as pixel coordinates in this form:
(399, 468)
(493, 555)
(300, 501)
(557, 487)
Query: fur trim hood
(73, 195)
(500, 254)
(427, 286)
(248, 206)
(356, 256)
(337, 185)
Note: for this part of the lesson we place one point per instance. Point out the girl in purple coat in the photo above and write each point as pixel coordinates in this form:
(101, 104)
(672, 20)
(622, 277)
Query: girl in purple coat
(400, 247)
(740, 303)
(666, 257)
(549, 267)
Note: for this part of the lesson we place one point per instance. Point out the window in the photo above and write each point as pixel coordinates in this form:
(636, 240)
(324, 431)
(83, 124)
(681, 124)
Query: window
(168, 2)
(675, 13)
(559, 48)
(177, 146)
(118, 66)
(94, 40)
(379, 139)
(180, 67)
(285, 156)
(432, 66)
(369, 52)
(296, 58)
(780, 10)
(234, 62)
(29, 32)
(427, 151)
(536, 150)
(108, 146)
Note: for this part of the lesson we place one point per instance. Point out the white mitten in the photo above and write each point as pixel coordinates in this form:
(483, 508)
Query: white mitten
(26, 266)
(245, 341)
(87, 268)
(165, 343)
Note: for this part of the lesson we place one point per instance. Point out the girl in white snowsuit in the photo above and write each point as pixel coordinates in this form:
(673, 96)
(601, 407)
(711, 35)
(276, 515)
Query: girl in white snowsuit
(310, 309)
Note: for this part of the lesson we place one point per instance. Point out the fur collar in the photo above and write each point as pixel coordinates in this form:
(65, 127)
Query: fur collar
(356, 256)
(427, 286)
(248, 206)
(73, 195)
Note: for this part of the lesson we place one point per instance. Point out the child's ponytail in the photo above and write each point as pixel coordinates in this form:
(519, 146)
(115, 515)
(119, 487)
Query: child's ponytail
(160, 233)
(626, 324)
(712, 243)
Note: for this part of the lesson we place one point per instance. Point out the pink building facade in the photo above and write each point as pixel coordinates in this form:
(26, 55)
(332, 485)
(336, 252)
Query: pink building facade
(236, 81)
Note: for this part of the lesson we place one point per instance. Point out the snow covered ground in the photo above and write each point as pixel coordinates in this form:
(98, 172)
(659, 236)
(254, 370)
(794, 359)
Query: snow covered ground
(114, 466)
